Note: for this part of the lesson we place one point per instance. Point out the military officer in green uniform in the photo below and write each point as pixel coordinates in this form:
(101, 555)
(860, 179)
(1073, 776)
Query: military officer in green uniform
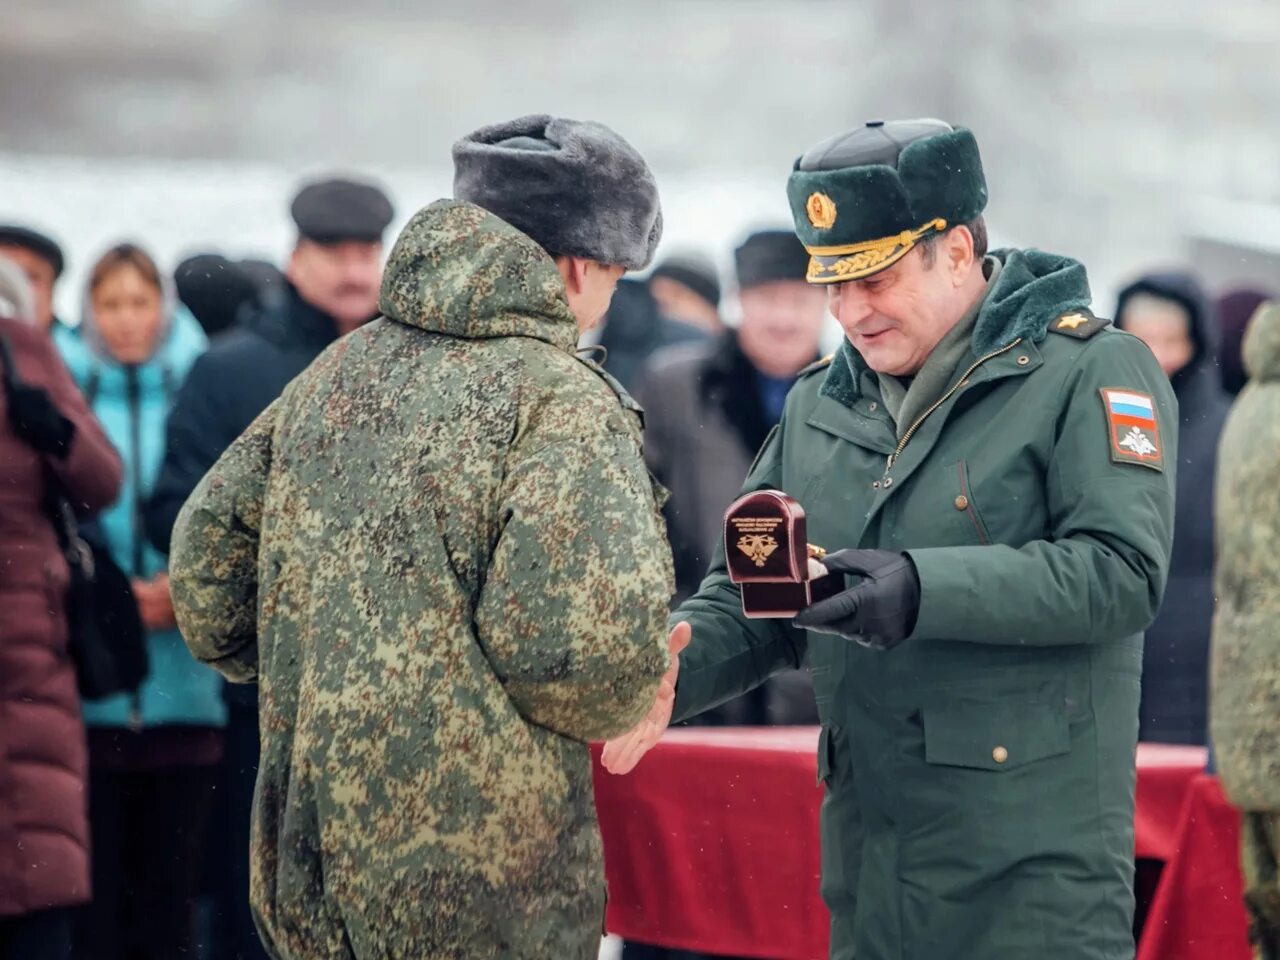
(993, 466)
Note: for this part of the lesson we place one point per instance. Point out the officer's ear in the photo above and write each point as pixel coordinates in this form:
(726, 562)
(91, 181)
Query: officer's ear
(573, 270)
(958, 253)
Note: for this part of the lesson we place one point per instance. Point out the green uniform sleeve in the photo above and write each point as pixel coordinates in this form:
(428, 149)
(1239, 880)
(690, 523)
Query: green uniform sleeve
(213, 560)
(572, 615)
(728, 653)
(1100, 576)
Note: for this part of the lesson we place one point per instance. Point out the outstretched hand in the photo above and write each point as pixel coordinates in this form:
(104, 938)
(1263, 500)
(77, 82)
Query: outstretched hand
(622, 753)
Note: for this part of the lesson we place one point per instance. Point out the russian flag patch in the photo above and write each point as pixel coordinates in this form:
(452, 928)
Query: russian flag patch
(1134, 432)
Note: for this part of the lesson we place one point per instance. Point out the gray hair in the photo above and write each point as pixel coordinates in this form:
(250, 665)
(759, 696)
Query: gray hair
(16, 301)
(977, 228)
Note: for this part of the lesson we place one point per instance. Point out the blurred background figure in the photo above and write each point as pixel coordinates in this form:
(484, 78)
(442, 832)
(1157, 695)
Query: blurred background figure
(48, 438)
(1170, 313)
(216, 291)
(41, 259)
(634, 328)
(153, 757)
(334, 275)
(269, 282)
(709, 407)
(687, 289)
(1235, 309)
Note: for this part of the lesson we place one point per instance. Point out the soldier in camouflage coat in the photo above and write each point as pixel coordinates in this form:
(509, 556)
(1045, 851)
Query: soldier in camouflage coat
(1245, 682)
(440, 555)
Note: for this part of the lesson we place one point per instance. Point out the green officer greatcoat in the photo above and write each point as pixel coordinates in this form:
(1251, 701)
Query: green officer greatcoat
(980, 776)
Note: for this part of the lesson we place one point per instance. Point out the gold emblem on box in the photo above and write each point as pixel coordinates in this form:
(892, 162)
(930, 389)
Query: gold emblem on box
(758, 546)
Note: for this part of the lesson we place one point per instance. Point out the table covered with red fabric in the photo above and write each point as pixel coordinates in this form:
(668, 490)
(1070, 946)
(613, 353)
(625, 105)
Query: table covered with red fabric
(711, 844)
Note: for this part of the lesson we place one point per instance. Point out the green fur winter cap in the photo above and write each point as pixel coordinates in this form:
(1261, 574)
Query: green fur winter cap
(861, 200)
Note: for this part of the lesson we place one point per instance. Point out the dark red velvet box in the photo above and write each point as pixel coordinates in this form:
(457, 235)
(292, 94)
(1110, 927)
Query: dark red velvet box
(767, 553)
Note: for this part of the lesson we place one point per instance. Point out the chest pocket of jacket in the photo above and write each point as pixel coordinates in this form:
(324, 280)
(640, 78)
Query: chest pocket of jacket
(992, 503)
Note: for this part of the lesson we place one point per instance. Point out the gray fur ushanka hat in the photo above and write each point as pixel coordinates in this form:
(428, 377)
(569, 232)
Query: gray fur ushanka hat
(575, 187)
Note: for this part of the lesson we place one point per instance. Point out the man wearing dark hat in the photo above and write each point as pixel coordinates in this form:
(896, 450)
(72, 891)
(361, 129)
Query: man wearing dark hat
(708, 408)
(998, 466)
(333, 275)
(41, 260)
(441, 556)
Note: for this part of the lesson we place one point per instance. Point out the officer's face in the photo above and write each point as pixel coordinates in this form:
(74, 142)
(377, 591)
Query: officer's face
(896, 317)
(340, 279)
(781, 325)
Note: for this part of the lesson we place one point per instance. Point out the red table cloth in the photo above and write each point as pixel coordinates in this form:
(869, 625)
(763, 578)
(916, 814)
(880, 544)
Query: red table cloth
(711, 844)
(1198, 913)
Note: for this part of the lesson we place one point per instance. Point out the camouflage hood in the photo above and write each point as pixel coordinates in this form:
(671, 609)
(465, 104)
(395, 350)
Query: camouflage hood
(460, 271)
(1262, 344)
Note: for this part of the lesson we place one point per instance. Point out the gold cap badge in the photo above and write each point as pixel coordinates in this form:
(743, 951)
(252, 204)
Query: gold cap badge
(821, 210)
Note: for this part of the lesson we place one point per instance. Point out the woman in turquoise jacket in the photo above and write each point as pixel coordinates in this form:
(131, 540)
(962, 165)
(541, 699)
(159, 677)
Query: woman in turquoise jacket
(152, 756)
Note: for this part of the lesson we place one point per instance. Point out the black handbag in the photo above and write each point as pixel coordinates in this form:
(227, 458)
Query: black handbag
(105, 635)
(106, 638)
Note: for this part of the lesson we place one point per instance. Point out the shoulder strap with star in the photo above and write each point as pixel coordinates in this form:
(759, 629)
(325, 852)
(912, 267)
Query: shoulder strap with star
(1081, 323)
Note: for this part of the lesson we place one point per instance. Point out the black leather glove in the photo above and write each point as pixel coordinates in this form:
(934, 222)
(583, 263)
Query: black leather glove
(879, 610)
(34, 417)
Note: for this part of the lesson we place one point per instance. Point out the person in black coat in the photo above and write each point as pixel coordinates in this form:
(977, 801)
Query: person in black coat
(334, 275)
(1170, 312)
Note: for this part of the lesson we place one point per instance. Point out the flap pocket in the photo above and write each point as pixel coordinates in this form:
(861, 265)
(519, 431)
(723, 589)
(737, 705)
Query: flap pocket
(994, 735)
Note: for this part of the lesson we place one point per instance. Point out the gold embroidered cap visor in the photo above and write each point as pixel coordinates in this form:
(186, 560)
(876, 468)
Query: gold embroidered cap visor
(856, 261)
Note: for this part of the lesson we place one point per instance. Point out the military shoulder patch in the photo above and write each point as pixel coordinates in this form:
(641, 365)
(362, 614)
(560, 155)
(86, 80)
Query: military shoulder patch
(1133, 433)
(1081, 324)
(817, 365)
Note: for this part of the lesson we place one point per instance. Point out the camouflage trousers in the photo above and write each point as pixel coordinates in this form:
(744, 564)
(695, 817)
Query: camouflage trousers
(1260, 860)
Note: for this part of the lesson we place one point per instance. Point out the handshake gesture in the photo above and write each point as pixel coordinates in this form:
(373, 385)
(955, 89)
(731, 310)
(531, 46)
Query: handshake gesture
(879, 611)
(622, 753)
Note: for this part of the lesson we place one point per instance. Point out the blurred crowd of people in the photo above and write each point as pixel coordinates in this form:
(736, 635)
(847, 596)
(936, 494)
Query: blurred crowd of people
(122, 409)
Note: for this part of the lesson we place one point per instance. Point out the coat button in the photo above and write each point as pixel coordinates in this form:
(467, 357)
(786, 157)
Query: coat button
(873, 406)
(875, 485)
(962, 502)
(999, 754)
(888, 482)
(1023, 360)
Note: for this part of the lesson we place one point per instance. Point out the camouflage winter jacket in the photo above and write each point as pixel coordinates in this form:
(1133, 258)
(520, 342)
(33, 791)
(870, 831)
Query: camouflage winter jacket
(1244, 695)
(440, 555)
